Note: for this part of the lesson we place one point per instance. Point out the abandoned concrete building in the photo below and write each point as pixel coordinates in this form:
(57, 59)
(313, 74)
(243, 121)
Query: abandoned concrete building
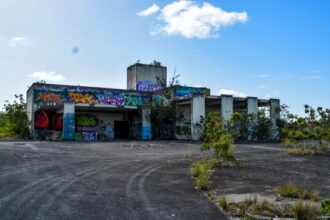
(67, 112)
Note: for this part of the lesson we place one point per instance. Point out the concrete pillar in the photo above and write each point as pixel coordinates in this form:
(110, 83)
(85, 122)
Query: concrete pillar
(227, 107)
(197, 111)
(69, 122)
(146, 124)
(252, 108)
(274, 116)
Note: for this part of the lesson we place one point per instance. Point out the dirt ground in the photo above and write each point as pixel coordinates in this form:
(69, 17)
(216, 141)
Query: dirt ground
(118, 180)
(267, 166)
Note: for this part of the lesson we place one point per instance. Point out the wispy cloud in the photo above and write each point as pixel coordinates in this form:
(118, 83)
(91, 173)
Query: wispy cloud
(232, 92)
(264, 87)
(261, 76)
(191, 20)
(18, 41)
(48, 76)
(149, 11)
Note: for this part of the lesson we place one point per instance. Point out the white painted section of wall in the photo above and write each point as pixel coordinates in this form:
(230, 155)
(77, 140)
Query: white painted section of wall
(197, 110)
(30, 108)
(227, 107)
(252, 105)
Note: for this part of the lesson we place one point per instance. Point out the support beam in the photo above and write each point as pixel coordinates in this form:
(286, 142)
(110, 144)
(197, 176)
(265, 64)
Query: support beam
(197, 111)
(227, 107)
(274, 116)
(69, 122)
(252, 109)
(146, 124)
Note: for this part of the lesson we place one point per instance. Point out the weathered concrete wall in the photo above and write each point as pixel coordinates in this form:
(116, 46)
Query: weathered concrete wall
(197, 111)
(226, 106)
(30, 108)
(274, 115)
(143, 77)
(252, 105)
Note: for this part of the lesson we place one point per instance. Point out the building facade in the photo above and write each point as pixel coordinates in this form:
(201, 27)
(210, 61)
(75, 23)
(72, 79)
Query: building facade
(66, 112)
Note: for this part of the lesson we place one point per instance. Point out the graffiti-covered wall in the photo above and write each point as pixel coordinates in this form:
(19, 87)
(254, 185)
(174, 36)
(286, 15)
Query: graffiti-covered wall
(90, 96)
(96, 126)
(183, 91)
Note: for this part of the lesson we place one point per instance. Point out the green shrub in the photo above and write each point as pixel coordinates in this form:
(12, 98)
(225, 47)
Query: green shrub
(305, 211)
(223, 203)
(325, 207)
(291, 190)
(200, 167)
(203, 181)
(201, 171)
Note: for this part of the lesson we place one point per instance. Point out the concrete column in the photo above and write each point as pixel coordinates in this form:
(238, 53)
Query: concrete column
(69, 122)
(227, 107)
(274, 115)
(252, 108)
(197, 111)
(146, 124)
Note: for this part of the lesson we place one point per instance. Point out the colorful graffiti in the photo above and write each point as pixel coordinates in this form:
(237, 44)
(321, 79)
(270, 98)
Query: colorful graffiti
(82, 98)
(148, 86)
(185, 91)
(86, 123)
(69, 126)
(85, 136)
(86, 97)
(41, 120)
(115, 99)
(58, 122)
(50, 97)
(146, 133)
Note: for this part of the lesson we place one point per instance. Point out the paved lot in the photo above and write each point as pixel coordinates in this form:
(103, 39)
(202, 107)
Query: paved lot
(131, 180)
(267, 166)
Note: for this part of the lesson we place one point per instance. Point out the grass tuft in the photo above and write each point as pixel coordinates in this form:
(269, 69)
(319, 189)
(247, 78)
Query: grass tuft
(302, 151)
(291, 190)
(306, 211)
(202, 174)
(223, 203)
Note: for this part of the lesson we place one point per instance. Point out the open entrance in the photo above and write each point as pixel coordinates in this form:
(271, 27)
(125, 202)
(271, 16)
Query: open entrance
(121, 129)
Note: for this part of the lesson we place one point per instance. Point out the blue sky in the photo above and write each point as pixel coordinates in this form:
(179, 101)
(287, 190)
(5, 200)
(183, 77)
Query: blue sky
(273, 48)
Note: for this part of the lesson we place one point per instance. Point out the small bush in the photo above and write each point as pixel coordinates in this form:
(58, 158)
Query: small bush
(223, 203)
(305, 211)
(203, 181)
(198, 168)
(202, 174)
(325, 207)
(291, 190)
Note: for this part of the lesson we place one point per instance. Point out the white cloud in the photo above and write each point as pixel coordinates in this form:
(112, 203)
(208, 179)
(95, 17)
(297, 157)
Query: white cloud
(48, 76)
(261, 76)
(18, 41)
(232, 92)
(149, 11)
(191, 20)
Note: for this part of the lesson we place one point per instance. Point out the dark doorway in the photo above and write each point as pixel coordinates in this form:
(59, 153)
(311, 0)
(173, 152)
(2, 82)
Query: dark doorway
(121, 129)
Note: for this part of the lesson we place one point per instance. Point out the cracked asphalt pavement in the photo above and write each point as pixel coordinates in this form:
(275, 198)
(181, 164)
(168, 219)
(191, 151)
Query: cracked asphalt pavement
(117, 180)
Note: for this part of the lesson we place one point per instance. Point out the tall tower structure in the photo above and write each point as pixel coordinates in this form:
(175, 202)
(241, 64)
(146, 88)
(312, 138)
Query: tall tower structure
(146, 77)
